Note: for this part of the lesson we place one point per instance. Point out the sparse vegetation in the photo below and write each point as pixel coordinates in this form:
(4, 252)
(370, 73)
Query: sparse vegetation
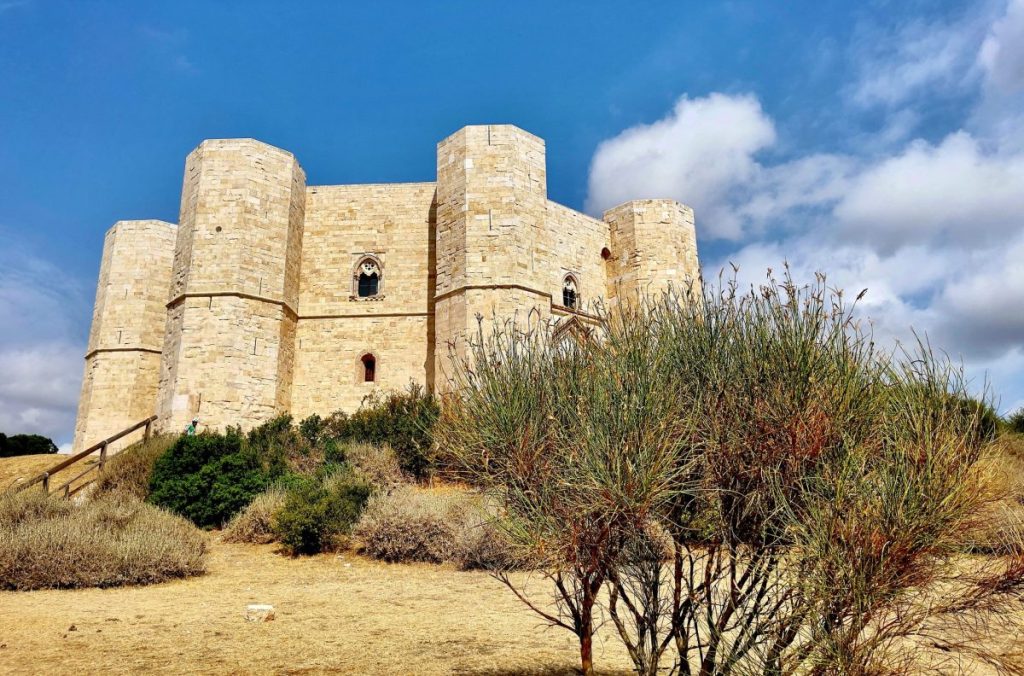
(127, 473)
(402, 420)
(53, 543)
(255, 523)
(755, 486)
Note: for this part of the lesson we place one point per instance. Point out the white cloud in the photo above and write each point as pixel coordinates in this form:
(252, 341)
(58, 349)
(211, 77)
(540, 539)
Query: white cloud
(898, 63)
(934, 231)
(41, 346)
(953, 191)
(1002, 53)
(697, 154)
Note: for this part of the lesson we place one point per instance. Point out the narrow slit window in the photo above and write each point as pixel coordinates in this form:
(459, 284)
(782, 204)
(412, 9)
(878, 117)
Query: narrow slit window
(369, 368)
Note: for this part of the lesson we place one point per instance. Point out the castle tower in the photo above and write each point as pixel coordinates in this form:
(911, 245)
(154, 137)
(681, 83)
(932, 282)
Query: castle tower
(491, 206)
(229, 348)
(653, 248)
(122, 361)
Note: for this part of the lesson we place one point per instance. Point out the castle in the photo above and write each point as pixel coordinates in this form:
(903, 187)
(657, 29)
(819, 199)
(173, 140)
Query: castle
(272, 295)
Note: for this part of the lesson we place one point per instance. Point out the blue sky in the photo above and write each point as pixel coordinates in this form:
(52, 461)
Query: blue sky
(879, 142)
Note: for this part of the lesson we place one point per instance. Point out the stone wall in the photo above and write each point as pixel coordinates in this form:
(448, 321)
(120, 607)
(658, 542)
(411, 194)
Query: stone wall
(228, 353)
(119, 387)
(394, 223)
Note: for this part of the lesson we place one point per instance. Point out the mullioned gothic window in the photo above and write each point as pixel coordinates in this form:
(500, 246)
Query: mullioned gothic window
(570, 292)
(368, 279)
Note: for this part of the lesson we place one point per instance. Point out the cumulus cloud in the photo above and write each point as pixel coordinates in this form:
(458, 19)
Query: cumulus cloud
(1002, 53)
(933, 230)
(41, 346)
(697, 154)
(953, 191)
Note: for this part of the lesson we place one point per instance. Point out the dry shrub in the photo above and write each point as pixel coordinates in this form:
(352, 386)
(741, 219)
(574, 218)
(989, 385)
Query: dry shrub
(445, 525)
(127, 473)
(378, 464)
(999, 527)
(51, 543)
(255, 524)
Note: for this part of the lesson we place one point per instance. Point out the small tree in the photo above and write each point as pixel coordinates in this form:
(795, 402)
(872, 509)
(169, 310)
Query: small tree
(581, 445)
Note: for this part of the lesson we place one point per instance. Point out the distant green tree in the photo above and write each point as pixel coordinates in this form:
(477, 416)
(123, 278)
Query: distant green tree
(1016, 421)
(25, 444)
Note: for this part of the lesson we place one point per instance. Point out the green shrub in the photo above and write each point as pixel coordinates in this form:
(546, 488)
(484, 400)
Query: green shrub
(127, 473)
(1016, 421)
(52, 543)
(316, 513)
(207, 477)
(311, 429)
(404, 421)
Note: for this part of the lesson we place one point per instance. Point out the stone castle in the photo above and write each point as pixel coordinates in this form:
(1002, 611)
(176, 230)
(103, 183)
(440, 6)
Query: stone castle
(271, 295)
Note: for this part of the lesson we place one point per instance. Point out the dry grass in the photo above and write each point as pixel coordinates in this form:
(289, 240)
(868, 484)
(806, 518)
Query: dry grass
(1001, 525)
(334, 613)
(17, 470)
(127, 473)
(378, 464)
(444, 524)
(255, 523)
(49, 542)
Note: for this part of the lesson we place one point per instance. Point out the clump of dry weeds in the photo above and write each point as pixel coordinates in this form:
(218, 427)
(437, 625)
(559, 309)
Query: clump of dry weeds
(52, 543)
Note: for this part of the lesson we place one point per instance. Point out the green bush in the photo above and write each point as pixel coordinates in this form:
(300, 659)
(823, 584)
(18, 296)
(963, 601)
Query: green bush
(25, 444)
(317, 512)
(402, 420)
(207, 478)
(1016, 421)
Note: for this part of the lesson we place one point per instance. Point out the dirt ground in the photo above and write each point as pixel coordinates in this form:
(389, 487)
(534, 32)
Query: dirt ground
(334, 613)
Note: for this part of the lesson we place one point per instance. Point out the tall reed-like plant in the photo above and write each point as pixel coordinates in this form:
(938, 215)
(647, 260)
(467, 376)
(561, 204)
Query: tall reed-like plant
(758, 487)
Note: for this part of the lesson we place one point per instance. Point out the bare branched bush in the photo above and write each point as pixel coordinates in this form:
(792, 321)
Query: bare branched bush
(52, 543)
(757, 486)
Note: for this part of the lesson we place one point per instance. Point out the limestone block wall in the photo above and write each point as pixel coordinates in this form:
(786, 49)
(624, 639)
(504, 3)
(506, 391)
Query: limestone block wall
(394, 223)
(119, 387)
(492, 233)
(577, 243)
(229, 347)
(654, 247)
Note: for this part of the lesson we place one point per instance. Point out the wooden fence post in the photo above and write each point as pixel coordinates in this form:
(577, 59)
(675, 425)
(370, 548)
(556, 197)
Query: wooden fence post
(149, 425)
(103, 455)
(46, 482)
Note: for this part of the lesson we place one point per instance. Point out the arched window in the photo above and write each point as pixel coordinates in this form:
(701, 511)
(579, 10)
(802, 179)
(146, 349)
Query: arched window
(369, 368)
(367, 278)
(570, 294)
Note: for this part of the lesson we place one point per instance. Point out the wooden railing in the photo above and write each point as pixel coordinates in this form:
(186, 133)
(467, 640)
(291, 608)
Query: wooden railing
(102, 446)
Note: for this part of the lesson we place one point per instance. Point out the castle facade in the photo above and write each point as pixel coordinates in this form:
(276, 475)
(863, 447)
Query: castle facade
(271, 295)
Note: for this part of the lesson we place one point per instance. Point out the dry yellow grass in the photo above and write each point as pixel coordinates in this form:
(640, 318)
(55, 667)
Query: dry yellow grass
(334, 613)
(24, 467)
